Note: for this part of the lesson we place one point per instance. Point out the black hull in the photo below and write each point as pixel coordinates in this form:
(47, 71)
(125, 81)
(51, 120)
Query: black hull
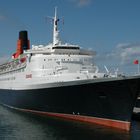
(110, 100)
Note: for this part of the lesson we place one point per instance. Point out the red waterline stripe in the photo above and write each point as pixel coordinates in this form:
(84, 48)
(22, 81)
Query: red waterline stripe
(101, 121)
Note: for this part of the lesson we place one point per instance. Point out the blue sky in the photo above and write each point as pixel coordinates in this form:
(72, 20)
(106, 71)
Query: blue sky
(110, 27)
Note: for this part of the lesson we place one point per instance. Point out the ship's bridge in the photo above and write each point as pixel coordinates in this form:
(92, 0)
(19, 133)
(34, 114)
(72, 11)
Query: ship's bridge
(59, 49)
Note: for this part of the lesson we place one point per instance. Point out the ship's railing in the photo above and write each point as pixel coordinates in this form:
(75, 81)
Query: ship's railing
(12, 66)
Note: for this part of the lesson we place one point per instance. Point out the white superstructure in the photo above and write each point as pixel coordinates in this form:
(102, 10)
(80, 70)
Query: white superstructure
(55, 64)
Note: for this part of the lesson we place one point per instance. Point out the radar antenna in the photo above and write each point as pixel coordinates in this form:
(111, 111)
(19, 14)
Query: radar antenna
(55, 20)
(56, 39)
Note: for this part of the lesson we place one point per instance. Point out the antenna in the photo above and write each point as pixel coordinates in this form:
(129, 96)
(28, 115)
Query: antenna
(55, 20)
(56, 39)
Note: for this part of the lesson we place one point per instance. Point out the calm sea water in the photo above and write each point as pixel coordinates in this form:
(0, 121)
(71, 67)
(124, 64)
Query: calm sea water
(16, 125)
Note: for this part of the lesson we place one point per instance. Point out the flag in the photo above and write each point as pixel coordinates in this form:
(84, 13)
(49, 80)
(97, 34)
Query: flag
(136, 61)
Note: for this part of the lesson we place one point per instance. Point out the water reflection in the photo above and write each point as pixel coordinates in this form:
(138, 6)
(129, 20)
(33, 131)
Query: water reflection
(24, 126)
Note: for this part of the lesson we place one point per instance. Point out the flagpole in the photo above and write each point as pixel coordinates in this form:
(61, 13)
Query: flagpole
(138, 68)
(137, 63)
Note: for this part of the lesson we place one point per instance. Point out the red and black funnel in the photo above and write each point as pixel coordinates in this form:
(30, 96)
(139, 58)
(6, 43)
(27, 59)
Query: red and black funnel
(23, 37)
(22, 43)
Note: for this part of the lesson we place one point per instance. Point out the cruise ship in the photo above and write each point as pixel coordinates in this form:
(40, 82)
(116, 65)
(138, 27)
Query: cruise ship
(61, 80)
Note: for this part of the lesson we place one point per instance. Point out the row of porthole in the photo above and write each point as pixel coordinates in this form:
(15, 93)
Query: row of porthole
(64, 60)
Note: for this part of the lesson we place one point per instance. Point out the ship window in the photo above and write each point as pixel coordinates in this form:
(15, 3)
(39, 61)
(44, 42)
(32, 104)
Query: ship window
(62, 47)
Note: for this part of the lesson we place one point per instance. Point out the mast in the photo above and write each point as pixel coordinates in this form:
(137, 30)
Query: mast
(56, 39)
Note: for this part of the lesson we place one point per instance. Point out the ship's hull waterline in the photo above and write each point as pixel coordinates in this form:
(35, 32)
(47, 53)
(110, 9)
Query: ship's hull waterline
(108, 103)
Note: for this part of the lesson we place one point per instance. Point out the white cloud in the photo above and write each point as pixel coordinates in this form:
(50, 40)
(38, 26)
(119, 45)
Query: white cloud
(81, 3)
(128, 52)
(123, 54)
(122, 58)
(123, 45)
